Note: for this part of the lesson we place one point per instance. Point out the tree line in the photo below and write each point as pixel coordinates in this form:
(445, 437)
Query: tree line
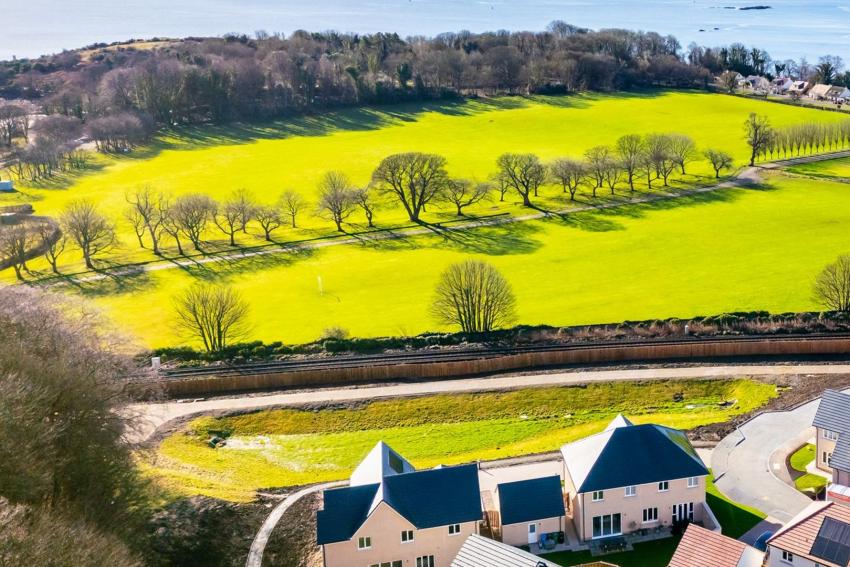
(766, 141)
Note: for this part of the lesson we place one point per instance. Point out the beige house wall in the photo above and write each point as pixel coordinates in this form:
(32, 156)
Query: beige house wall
(823, 445)
(384, 525)
(631, 508)
(517, 534)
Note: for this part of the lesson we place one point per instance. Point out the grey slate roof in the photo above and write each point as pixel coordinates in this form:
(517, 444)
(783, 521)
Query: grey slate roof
(427, 499)
(834, 412)
(530, 500)
(631, 455)
(345, 510)
(478, 551)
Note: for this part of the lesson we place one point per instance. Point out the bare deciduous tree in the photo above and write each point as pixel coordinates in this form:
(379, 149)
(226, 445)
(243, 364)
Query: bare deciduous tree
(214, 314)
(683, 149)
(336, 198)
(292, 203)
(52, 243)
(630, 149)
(192, 213)
(414, 179)
(90, 230)
(759, 135)
(365, 199)
(474, 296)
(228, 219)
(569, 173)
(523, 172)
(148, 209)
(719, 160)
(660, 157)
(832, 286)
(598, 160)
(245, 203)
(15, 242)
(269, 218)
(463, 193)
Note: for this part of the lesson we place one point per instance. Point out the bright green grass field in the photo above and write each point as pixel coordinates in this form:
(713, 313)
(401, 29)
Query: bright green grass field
(292, 447)
(731, 250)
(727, 251)
(831, 168)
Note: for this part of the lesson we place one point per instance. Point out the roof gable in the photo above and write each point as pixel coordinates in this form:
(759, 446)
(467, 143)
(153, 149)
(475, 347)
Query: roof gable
(800, 534)
(528, 500)
(640, 454)
(833, 412)
(841, 454)
(381, 462)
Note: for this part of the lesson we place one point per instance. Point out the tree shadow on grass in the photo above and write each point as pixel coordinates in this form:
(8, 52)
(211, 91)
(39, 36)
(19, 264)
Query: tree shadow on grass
(227, 268)
(130, 280)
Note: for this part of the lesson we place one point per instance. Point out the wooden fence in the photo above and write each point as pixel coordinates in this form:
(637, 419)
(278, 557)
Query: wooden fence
(577, 355)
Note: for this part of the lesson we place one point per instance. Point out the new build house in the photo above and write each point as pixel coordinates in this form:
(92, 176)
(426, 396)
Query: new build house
(392, 515)
(634, 477)
(819, 536)
(832, 426)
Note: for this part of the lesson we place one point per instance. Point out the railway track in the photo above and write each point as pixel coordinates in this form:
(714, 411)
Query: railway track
(390, 359)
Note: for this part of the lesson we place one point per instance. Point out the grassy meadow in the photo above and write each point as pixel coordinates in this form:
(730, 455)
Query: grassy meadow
(832, 168)
(709, 253)
(288, 447)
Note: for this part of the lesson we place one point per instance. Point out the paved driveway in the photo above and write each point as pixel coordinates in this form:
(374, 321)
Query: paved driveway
(747, 469)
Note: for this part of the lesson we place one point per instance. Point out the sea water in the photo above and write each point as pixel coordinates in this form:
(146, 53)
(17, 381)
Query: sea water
(789, 29)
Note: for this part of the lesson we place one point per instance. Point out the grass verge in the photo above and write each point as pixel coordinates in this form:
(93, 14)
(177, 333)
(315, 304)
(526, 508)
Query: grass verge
(288, 447)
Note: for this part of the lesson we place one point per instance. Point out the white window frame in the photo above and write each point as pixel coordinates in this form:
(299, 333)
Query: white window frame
(830, 435)
(602, 525)
(654, 515)
(693, 481)
(364, 542)
(665, 484)
(598, 496)
(454, 529)
(407, 536)
(787, 556)
(630, 491)
(425, 561)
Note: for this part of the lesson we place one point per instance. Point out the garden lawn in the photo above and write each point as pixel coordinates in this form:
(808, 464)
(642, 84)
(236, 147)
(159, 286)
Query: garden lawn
(735, 519)
(289, 447)
(723, 251)
(807, 482)
(650, 554)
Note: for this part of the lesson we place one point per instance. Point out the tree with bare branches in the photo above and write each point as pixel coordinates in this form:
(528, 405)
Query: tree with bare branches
(474, 296)
(89, 229)
(463, 193)
(336, 198)
(191, 214)
(292, 203)
(364, 198)
(598, 159)
(759, 135)
(228, 218)
(214, 314)
(832, 286)
(270, 218)
(630, 150)
(147, 213)
(52, 243)
(523, 172)
(683, 150)
(414, 179)
(719, 160)
(569, 173)
(15, 243)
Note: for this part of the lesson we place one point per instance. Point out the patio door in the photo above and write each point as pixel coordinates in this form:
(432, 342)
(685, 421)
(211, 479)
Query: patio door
(606, 526)
(683, 512)
(532, 533)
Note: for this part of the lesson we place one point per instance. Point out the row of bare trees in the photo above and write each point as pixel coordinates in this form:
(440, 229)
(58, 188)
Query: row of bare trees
(766, 140)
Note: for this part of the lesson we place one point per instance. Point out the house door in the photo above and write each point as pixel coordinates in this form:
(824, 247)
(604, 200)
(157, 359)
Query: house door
(683, 512)
(532, 533)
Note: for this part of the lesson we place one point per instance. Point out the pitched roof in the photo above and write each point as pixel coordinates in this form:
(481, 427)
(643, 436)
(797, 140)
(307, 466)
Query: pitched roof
(528, 500)
(631, 455)
(479, 551)
(427, 499)
(381, 461)
(345, 510)
(834, 412)
(619, 421)
(700, 547)
(841, 455)
(800, 535)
